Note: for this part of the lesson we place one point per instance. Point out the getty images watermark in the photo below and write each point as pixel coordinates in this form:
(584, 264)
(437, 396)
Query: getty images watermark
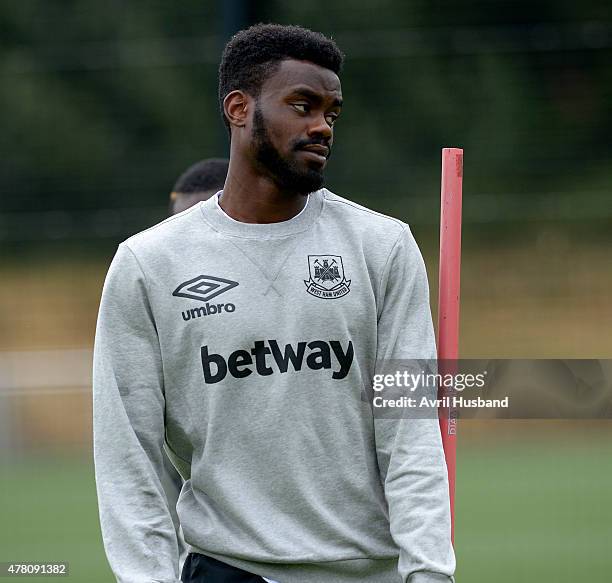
(498, 388)
(424, 382)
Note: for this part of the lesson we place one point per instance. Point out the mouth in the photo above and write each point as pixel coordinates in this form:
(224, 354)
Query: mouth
(317, 152)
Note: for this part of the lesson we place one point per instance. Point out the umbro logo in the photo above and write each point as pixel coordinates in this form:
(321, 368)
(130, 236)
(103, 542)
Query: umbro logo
(204, 288)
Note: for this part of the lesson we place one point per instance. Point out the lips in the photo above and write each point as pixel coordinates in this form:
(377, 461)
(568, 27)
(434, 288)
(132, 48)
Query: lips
(317, 149)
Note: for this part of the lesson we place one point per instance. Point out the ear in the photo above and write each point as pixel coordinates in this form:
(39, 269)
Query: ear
(236, 107)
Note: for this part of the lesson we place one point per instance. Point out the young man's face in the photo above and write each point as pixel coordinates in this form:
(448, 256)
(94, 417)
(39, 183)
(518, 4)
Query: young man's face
(292, 128)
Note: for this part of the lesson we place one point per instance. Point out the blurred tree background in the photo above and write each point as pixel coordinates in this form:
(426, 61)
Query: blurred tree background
(104, 104)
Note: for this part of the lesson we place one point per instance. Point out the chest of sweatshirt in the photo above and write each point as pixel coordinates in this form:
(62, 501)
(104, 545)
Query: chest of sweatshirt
(280, 329)
(281, 300)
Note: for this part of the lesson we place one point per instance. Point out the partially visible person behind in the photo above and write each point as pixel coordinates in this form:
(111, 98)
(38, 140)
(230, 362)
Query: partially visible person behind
(199, 182)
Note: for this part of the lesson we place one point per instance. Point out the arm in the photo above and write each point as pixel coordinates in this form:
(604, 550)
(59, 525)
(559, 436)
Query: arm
(409, 451)
(137, 527)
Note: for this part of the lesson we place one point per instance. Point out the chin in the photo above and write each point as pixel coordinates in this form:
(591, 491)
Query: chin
(303, 184)
(299, 177)
(306, 187)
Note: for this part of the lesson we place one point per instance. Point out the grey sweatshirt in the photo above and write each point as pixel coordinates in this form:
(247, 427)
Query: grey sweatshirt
(243, 349)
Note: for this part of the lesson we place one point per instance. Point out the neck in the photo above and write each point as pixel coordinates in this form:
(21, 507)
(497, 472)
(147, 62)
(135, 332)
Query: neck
(251, 197)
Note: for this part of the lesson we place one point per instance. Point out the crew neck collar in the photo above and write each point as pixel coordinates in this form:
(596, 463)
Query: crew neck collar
(218, 196)
(216, 217)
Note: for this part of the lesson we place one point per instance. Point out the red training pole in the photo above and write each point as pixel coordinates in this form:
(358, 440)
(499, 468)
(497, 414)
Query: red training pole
(448, 302)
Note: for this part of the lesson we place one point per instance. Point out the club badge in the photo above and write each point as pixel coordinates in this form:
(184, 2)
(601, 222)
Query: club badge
(327, 279)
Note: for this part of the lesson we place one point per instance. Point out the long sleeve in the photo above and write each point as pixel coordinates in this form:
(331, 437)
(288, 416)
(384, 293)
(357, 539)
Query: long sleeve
(409, 451)
(137, 527)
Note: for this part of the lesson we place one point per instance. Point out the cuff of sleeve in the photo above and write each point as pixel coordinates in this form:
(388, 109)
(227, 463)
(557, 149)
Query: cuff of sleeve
(429, 577)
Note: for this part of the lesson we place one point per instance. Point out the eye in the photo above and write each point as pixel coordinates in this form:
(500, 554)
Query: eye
(331, 118)
(301, 107)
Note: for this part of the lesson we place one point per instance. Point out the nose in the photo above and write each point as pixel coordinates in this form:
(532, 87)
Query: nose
(320, 128)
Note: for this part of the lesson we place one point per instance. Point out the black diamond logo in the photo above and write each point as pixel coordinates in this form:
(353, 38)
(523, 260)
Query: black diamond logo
(204, 288)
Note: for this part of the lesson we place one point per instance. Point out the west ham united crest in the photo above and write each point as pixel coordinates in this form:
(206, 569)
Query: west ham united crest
(327, 279)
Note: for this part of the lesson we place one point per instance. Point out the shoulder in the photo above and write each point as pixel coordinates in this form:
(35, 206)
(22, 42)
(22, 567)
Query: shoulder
(387, 239)
(171, 232)
(374, 229)
(357, 212)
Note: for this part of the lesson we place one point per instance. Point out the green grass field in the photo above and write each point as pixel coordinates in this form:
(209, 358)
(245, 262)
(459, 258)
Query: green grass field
(49, 513)
(528, 510)
(535, 510)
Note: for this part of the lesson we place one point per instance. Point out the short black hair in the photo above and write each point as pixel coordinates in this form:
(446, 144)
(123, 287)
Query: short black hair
(203, 176)
(253, 54)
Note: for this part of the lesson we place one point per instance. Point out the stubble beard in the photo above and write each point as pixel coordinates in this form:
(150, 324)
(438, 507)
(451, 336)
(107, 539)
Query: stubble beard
(285, 173)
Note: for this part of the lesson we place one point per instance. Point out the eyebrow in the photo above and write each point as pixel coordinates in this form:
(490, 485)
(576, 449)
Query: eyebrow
(313, 96)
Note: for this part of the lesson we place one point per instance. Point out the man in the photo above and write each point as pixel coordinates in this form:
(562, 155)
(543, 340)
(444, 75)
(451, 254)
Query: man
(242, 333)
(199, 182)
